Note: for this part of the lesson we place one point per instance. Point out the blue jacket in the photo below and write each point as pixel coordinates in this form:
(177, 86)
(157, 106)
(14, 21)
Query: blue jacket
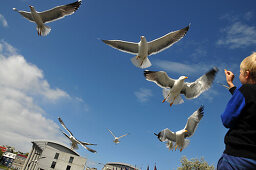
(240, 117)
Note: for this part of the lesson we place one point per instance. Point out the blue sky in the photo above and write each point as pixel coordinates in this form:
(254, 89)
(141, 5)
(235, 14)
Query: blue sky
(70, 73)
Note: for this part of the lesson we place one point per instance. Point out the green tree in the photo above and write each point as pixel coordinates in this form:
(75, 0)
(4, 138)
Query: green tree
(1, 153)
(194, 164)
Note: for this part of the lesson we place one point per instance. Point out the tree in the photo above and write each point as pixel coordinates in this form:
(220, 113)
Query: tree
(194, 164)
(1, 153)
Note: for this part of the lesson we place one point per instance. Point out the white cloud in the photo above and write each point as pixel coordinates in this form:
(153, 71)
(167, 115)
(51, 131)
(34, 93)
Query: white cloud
(143, 94)
(22, 84)
(3, 21)
(181, 68)
(238, 34)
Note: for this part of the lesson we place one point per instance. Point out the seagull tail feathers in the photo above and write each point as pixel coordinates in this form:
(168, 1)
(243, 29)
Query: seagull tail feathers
(44, 30)
(140, 63)
(169, 99)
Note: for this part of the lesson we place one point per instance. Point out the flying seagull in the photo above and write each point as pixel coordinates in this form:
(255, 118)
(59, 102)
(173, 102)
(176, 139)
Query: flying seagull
(143, 49)
(116, 140)
(40, 18)
(177, 139)
(74, 141)
(173, 88)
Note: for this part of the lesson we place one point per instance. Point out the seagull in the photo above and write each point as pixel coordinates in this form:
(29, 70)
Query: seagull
(177, 139)
(74, 141)
(40, 18)
(173, 88)
(116, 140)
(143, 49)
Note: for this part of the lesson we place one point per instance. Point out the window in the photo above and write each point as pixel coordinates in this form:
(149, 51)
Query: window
(56, 156)
(71, 159)
(53, 164)
(68, 167)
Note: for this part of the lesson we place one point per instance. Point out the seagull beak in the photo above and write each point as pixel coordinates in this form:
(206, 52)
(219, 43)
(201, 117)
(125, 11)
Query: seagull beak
(186, 77)
(185, 131)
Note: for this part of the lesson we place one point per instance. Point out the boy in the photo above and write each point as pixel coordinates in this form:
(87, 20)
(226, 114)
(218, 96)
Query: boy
(240, 117)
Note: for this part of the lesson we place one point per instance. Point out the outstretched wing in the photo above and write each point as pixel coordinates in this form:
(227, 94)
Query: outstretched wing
(65, 135)
(25, 14)
(160, 78)
(63, 125)
(111, 133)
(194, 89)
(166, 41)
(166, 135)
(89, 149)
(85, 143)
(125, 46)
(59, 12)
(193, 121)
(122, 136)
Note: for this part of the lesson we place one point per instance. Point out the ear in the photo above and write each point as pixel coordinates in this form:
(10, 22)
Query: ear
(247, 74)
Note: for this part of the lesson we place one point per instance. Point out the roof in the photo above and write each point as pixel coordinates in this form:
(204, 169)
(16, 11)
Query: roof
(120, 164)
(24, 156)
(42, 144)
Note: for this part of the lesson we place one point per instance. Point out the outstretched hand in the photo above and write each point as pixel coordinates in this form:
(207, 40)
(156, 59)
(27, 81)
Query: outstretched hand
(229, 78)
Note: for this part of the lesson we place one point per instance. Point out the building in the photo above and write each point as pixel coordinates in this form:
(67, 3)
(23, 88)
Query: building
(19, 161)
(119, 166)
(8, 158)
(46, 155)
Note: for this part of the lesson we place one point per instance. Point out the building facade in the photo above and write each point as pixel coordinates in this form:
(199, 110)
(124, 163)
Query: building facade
(19, 161)
(119, 166)
(7, 159)
(46, 155)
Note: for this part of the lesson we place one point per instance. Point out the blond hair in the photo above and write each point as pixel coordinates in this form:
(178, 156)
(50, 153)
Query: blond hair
(249, 64)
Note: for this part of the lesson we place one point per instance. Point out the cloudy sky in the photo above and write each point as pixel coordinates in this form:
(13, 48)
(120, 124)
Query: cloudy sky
(73, 75)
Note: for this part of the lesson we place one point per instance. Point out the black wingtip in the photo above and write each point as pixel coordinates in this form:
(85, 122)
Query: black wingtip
(148, 72)
(201, 109)
(215, 69)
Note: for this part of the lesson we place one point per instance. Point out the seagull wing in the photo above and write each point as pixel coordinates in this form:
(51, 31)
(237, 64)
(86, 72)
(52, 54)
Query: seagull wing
(160, 78)
(122, 136)
(59, 12)
(194, 89)
(193, 121)
(111, 133)
(89, 149)
(62, 123)
(66, 135)
(25, 14)
(85, 143)
(166, 41)
(166, 135)
(125, 46)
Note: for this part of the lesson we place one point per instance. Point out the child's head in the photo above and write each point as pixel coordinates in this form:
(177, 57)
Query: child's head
(248, 69)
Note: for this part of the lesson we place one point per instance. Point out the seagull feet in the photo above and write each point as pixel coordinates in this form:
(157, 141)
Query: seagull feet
(137, 57)
(176, 147)
(171, 104)
(163, 101)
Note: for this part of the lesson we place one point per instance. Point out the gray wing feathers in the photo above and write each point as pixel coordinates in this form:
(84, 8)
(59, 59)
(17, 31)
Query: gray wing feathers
(59, 12)
(25, 14)
(166, 41)
(89, 149)
(85, 143)
(124, 46)
(193, 90)
(193, 121)
(166, 135)
(160, 78)
(63, 125)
